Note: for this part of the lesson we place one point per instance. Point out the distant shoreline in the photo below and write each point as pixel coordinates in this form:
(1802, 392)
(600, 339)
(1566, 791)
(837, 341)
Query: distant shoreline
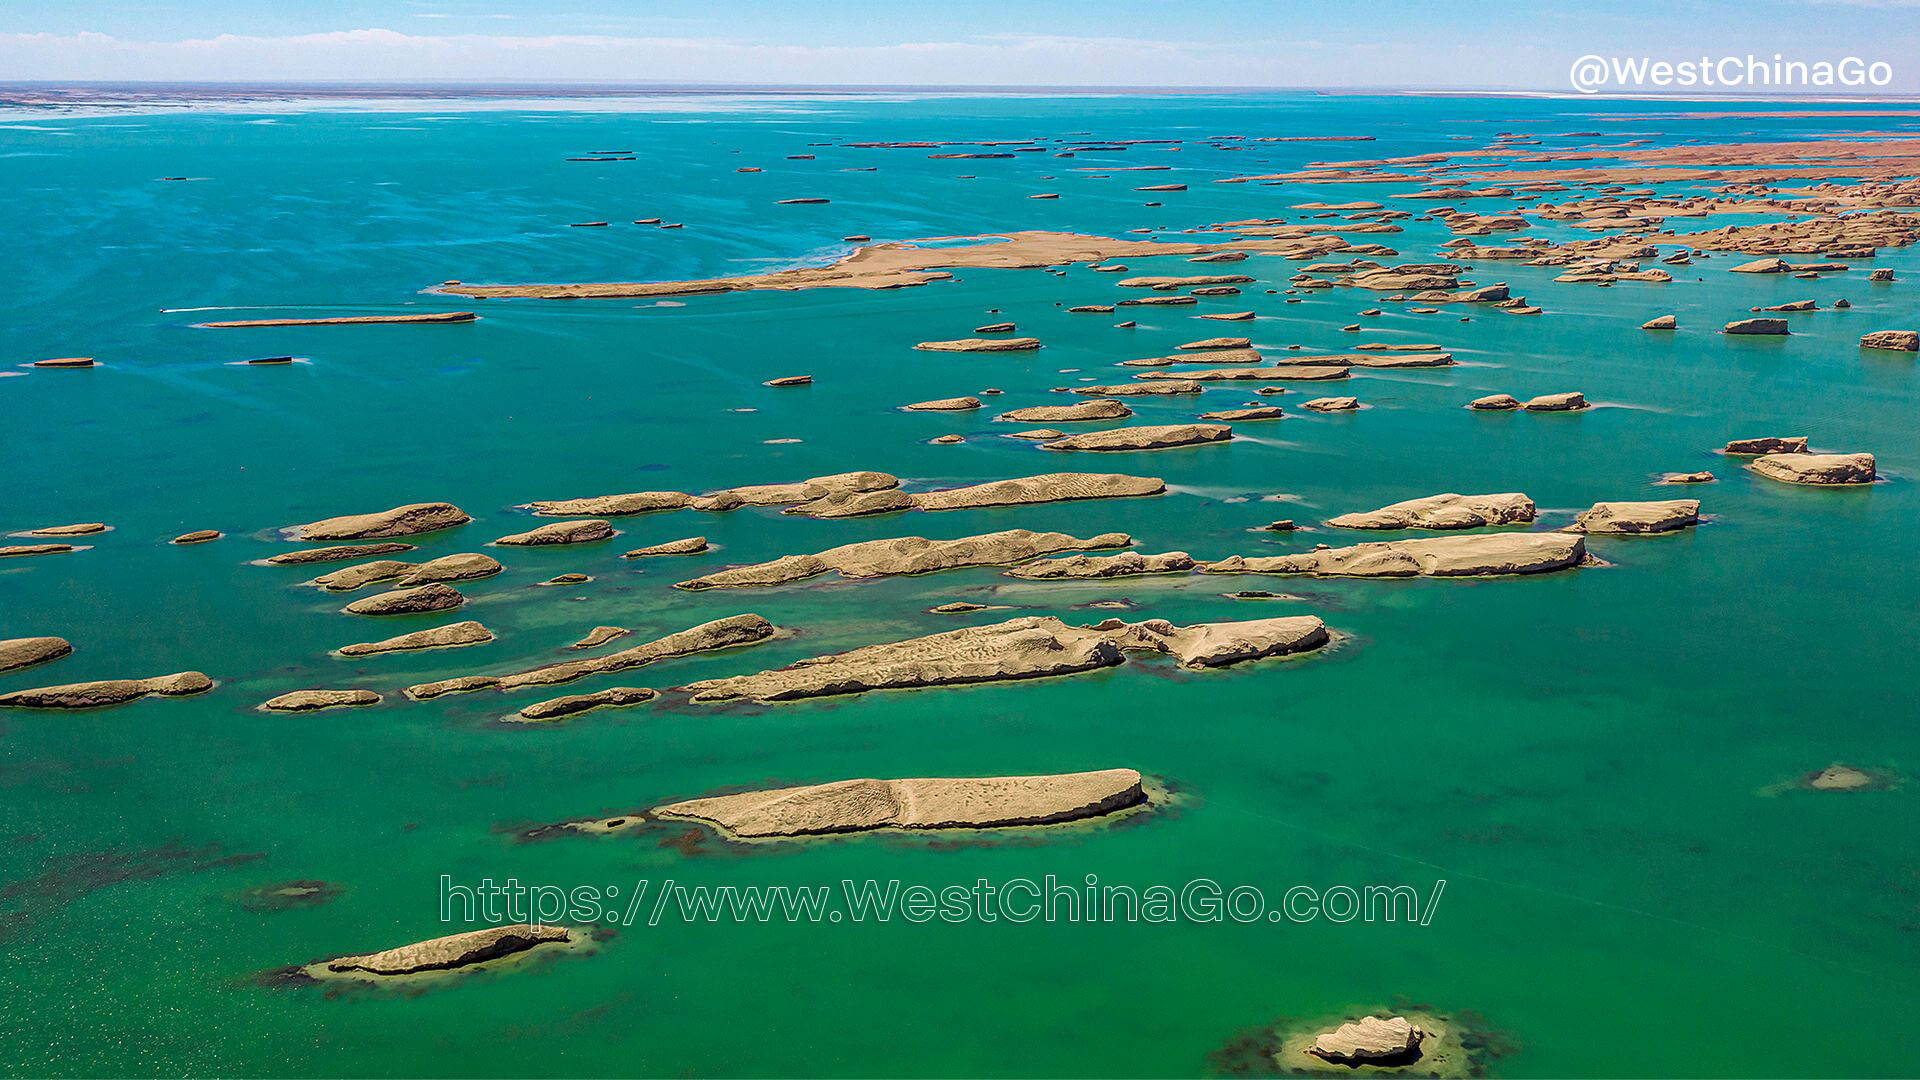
(132, 94)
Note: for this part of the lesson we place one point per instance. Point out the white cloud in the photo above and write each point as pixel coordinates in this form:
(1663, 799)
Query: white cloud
(994, 59)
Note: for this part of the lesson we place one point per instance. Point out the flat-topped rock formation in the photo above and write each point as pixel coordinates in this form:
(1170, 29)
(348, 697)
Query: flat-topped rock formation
(1448, 511)
(450, 636)
(1035, 490)
(960, 607)
(1279, 372)
(1235, 416)
(1125, 564)
(1012, 344)
(315, 700)
(807, 491)
(1024, 648)
(1177, 386)
(464, 566)
(1661, 322)
(409, 520)
(906, 555)
(599, 636)
(643, 502)
(467, 565)
(1384, 1043)
(691, 545)
(1221, 644)
(1569, 401)
(336, 554)
(1216, 343)
(1332, 404)
(1452, 556)
(933, 803)
(198, 536)
(349, 578)
(1838, 777)
(459, 684)
(1634, 518)
(17, 653)
(99, 695)
(1384, 358)
(1817, 469)
(1765, 327)
(12, 551)
(587, 531)
(635, 502)
(408, 601)
(87, 528)
(1895, 340)
(345, 320)
(1149, 437)
(708, 636)
(1768, 444)
(561, 707)
(1494, 403)
(954, 404)
(1102, 409)
(1686, 478)
(848, 504)
(454, 952)
(1186, 282)
(724, 633)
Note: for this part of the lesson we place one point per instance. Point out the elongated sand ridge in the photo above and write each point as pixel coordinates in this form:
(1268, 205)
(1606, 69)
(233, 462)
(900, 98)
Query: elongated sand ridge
(561, 708)
(1020, 491)
(107, 692)
(1125, 564)
(905, 555)
(726, 499)
(336, 554)
(1146, 437)
(17, 653)
(1638, 518)
(1447, 511)
(466, 566)
(1271, 373)
(455, 952)
(993, 802)
(892, 266)
(453, 635)
(410, 520)
(345, 320)
(717, 634)
(1453, 556)
(1034, 647)
(315, 700)
(1064, 414)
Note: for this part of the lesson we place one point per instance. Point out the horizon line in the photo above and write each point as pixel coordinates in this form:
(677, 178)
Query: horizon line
(643, 86)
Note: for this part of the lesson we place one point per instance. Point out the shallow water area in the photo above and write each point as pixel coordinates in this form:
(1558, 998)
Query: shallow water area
(1592, 759)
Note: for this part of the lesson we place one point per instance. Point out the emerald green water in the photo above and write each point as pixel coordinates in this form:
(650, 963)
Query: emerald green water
(1583, 757)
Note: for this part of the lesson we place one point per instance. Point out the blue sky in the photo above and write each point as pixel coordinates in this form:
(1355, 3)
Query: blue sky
(1328, 43)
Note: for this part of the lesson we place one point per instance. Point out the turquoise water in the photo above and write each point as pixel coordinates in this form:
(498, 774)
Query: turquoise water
(1585, 758)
